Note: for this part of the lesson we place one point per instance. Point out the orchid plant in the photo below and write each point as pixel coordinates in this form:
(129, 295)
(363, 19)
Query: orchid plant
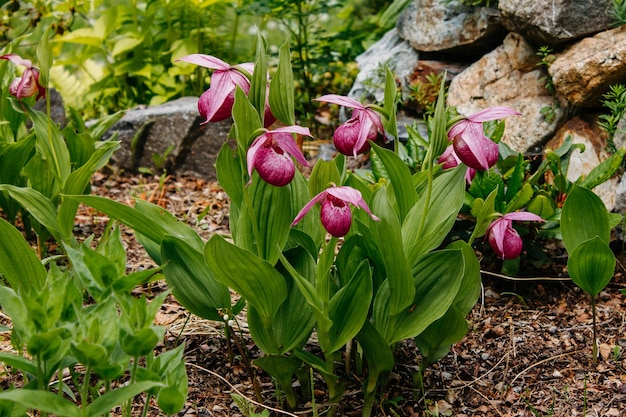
(353, 260)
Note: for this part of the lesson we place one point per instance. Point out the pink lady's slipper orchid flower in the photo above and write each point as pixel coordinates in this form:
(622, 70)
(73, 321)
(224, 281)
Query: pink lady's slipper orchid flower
(216, 103)
(471, 145)
(335, 214)
(270, 154)
(351, 137)
(28, 84)
(449, 159)
(503, 239)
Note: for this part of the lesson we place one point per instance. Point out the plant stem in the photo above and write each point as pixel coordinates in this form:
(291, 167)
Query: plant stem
(429, 191)
(85, 389)
(594, 348)
(255, 226)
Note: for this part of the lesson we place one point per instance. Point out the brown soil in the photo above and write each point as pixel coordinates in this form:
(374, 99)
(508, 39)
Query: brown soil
(528, 351)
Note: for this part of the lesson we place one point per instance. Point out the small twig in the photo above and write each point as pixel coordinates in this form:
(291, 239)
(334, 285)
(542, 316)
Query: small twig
(544, 361)
(486, 399)
(493, 274)
(241, 393)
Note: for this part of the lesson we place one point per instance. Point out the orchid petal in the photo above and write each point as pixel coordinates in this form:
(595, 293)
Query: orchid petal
(492, 113)
(523, 216)
(308, 207)
(457, 129)
(286, 142)
(206, 61)
(366, 125)
(473, 138)
(246, 66)
(351, 196)
(236, 78)
(221, 87)
(18, 60)
(497, 230)
(252, 151)
(341, 100)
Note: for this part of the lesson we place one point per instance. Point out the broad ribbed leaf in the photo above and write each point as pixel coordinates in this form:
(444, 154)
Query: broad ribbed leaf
(18, 362)
(44, 401)
(447, 198)
(110, 399)
(18, 262)
(13, 157)
(192, 282)
(584, 216)
(435, 341)
(51, 144)
(388, 237)
(253, 278)
(258, 83)
(591, 265)
(79, 180)
(230, 174)
(246, 120)
(436, 279)
(348, 308)
(390, 106)
(281, 96)
(39, 206)
(271, 216)
(287, 331)
(400, 175)
(131, 217)
(324, 174)
(379, 355)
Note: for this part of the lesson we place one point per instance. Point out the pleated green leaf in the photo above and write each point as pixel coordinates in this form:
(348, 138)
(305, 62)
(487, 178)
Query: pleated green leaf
(281, 96)
(192, 282)
(401, 182)
(348, 308)
(253, 278)
(591, 265)
(18, 262)
(436, 278)
(583, 217)
(44, 401)
(39, 206)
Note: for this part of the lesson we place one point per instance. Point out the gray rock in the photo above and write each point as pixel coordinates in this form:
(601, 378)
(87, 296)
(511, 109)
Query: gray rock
(390, 50)
(555, 22)
(169, 137)
(509, 76)
(451, 28)
(585, 70)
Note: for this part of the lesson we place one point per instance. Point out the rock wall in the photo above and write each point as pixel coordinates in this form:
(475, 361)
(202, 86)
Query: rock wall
(588, 55)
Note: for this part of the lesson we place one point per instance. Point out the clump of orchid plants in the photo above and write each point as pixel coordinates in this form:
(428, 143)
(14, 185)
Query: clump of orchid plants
(369, 264)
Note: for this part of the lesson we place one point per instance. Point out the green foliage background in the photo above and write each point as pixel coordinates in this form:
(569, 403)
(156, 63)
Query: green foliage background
(111, 55)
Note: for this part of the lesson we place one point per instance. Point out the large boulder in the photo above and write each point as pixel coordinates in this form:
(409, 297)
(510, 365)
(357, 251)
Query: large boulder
(170, 137)
(509, 76)
(450, 28)
(584, 71)
(556, 22)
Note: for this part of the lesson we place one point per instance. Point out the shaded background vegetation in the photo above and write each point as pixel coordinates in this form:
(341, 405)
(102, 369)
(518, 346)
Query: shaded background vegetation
(111, 55)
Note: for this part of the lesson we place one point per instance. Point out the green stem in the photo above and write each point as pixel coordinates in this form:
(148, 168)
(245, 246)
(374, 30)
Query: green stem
(429, 192)
(594, 349)
(255, 227)
(85, 390)
(146, 406)
(133, 378)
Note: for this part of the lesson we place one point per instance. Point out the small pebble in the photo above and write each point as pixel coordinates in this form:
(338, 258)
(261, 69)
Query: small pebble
(553, 329)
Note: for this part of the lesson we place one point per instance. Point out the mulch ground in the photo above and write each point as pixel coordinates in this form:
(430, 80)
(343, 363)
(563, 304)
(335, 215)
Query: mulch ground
(527, 353)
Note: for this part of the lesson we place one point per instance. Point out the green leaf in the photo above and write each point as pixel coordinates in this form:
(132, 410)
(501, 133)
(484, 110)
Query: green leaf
(44, 401)
(349, 307)
(520, 199)
(39, 206)
(436, 278)
(583, 217)
(591, 265)
(258, 83)
(110, 399)
(448, 194)
(78, 180)
(282, 368)
(604, 170)
(516, 180)
(390, 106)
(44, 55)
(51, 144)
(435, 341)
(379, 355)
(388, 237)
(18, 262)
(323, 175)
(437, 125)
(255, 279)
(18, 362)
(192, 282)
(126, 43)
(246, 120)
(542, 206)
(400, 175)
(230, 174)
(281, 96)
